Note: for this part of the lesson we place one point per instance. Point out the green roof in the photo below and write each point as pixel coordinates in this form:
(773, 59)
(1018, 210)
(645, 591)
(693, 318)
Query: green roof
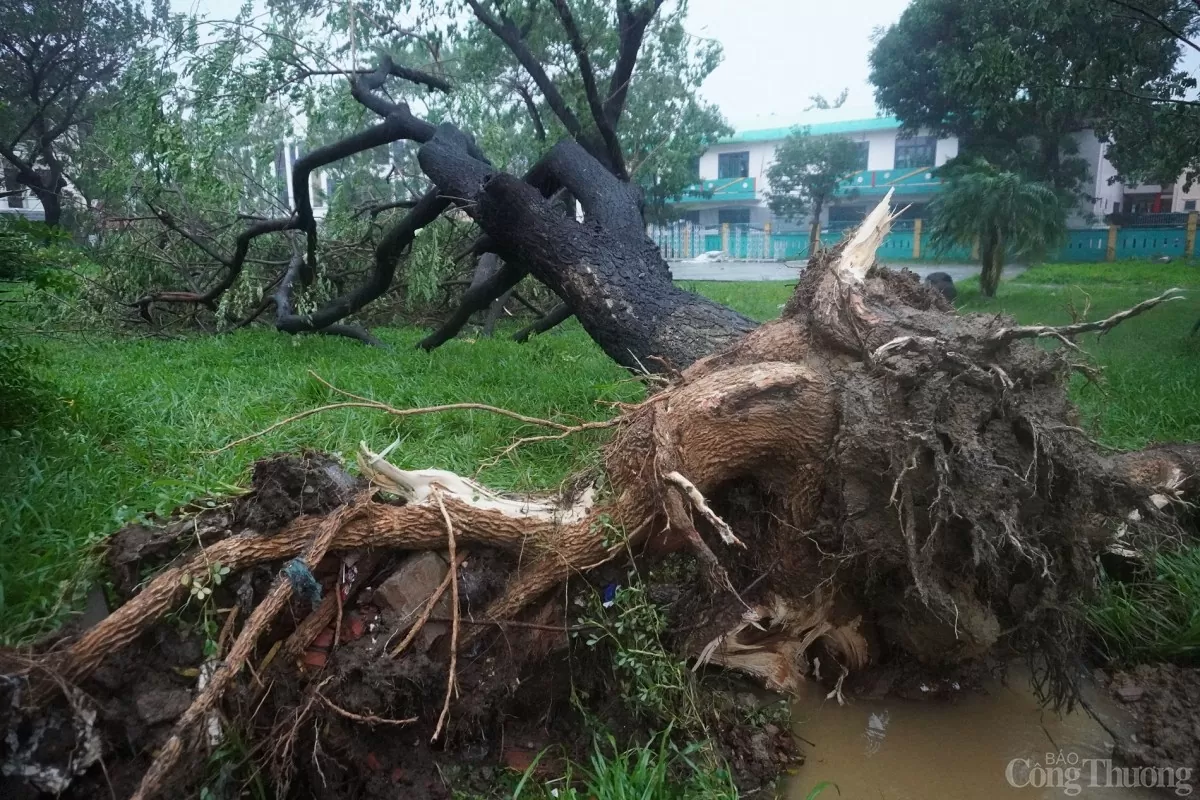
(818, 129)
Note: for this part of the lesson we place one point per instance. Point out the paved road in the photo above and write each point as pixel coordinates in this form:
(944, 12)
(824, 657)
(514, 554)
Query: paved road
(789, 271)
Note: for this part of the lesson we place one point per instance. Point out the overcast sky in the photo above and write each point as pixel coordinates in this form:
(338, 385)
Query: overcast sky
(777, 54)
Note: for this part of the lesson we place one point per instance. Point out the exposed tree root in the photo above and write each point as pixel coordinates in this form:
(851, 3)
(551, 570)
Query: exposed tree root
(155, 777)
(902, 484)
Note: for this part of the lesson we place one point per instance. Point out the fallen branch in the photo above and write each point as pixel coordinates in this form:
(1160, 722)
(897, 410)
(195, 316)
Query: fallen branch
(1063, 332)
(264, 614)
(555, 316)
(363, 402)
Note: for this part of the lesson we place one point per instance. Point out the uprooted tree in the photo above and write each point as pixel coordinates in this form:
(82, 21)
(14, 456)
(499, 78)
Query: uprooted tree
(871, 479)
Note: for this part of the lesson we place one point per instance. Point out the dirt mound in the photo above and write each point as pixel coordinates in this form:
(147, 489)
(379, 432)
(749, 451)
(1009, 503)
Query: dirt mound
(1165, 701)
(287, 486)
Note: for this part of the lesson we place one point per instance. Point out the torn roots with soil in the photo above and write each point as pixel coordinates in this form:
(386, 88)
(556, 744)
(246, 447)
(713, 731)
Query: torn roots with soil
(871, 479)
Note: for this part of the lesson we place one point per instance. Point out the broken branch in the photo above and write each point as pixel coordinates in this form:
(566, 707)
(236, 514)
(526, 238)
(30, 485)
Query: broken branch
(1005, 335)
(697, 499)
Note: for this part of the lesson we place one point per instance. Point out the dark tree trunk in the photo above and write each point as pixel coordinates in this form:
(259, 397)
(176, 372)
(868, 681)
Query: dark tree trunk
(814, 231)
(992, 263)
(51, 202)
(495, 312)
(606, 269)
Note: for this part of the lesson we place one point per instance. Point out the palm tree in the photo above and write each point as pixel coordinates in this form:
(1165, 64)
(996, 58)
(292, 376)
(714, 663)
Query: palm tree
(1004, 212)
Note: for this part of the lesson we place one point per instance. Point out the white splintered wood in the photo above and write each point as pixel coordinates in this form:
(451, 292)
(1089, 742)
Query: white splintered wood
(416, 486)
(858, 256)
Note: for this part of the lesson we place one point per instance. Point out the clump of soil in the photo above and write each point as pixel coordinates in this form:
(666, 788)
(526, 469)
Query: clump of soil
(286, 486)
(1165, 702)
(305, 721)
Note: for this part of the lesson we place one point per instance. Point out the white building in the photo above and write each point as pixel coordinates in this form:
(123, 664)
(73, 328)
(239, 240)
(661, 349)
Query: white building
(733, 178)
(16, 198)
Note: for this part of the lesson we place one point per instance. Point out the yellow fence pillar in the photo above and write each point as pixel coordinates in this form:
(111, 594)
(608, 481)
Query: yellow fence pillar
(725, 238)
(1111, 253)
(768, 253)
(917, 239)
(687, 240)
(1190, 250)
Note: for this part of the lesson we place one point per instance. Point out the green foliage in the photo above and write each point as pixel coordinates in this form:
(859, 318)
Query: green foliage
(807, 171)
(23, 391)
(130, 425)
(60, 61)
(1014, 78)
(36, 253)
(656, 684)
(1004, 213)
(1155, 617)
(658, 771)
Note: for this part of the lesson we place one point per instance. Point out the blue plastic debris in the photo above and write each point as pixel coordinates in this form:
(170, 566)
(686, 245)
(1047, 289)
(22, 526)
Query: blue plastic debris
(302, 580)
(610, 595)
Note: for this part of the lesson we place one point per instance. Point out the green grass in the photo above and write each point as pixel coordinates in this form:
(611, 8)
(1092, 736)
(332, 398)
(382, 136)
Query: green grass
(760, 300)
(131, 422)
(658, 771)
(1156, 618)
(1117, 273)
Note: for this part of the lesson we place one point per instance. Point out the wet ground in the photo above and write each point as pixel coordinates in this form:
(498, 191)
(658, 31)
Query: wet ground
(978, 747)
(788, 271)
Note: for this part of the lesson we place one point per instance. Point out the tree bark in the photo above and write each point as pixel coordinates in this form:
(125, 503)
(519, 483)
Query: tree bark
(605, 268)
(992, 263)
(51, 205)
(555, 316)
(814, 230)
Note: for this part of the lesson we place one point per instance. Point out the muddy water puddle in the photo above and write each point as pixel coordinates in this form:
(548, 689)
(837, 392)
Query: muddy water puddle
(978, 747)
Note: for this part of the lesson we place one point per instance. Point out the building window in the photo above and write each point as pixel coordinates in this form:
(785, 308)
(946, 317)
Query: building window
(11, 184)
(733, 216)
(862, 149)
(733, 165)
(847, 214)
(919, 151)
(692, 217)
(1189, 205)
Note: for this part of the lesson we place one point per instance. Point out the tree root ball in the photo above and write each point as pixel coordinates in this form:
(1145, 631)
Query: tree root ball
(869, 480)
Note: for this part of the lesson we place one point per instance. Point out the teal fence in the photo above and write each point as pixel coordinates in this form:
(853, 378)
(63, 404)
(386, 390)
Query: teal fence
(746, 243)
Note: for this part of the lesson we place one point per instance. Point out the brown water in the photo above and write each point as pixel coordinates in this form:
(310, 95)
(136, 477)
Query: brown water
(904, 750)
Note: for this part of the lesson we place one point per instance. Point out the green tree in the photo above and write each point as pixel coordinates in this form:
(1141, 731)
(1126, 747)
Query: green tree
(1013, 79)
(1005, 213)
(1154, 135)
(60, 61)
(806, 174)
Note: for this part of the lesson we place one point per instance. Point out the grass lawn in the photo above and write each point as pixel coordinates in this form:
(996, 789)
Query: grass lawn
(131, 423)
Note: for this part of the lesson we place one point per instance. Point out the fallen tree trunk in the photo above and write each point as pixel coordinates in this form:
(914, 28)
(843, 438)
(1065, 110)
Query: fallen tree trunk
(870, 479)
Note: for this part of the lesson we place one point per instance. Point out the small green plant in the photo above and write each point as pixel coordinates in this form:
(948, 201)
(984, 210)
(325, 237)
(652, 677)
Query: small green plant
(658, 771)
(1155, 618)
(656, 684)
(820, 788)
(201, 590)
